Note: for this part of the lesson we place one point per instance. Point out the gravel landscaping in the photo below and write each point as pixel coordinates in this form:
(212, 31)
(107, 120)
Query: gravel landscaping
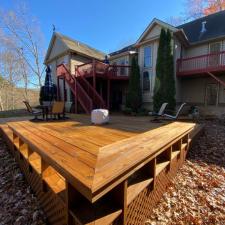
(196, 196)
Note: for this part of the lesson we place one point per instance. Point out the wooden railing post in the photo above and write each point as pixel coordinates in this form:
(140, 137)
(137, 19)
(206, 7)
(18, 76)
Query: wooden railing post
(108, 93)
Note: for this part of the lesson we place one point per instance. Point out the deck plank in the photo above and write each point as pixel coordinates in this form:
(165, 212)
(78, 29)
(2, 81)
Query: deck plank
(90, 156)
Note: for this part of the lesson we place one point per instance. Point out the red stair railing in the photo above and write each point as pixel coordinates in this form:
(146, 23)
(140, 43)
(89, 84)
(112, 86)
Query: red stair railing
(76, 88)
(97, 99)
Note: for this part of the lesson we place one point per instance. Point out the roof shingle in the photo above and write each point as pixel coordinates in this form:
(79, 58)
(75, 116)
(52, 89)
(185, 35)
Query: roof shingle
(215, 28)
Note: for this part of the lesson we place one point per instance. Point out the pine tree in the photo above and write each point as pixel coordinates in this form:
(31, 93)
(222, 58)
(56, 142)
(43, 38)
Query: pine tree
(164, 90)
(160, 71)
(170, 89)
(134, 98)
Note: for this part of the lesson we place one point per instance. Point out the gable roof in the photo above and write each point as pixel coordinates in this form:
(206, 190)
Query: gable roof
(74, 46)
(215, 28)
(123, 50)
(152, 24)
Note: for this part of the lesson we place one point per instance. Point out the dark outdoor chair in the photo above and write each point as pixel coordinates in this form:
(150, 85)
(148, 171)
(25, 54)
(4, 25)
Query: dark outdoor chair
(33, 112)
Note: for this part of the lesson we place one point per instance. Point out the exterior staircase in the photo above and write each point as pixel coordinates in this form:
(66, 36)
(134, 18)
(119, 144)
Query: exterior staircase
(83, 91)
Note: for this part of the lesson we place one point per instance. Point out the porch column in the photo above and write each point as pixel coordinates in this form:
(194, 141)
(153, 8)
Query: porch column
(108, 94)
(58, 89)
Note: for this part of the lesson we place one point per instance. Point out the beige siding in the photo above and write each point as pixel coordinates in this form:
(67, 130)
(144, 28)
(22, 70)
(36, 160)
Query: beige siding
(154, 32)
(194, 93)
(77, 60)
(126, 59)
(57, 49)
(200, 49)
(53, 65)
(196, 51)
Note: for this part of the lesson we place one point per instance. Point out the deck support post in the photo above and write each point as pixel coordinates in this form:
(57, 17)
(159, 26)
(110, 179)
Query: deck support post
(120, 193)
(58, 89)
(108, 94)
(64, 90)
(75, 100)
(94, 74)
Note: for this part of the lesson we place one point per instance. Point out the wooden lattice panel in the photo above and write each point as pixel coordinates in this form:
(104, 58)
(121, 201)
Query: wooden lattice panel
(140, 209)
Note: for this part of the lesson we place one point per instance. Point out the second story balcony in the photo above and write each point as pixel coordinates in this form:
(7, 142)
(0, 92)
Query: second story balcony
(100, 69)
(201, 64)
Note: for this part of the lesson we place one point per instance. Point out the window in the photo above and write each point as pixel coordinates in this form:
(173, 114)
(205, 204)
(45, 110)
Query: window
(122, 69)
(148, 56)
(211, 94)
(215, 47)
(146, 81)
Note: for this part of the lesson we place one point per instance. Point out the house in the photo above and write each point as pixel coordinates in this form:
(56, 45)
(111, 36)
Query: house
(199, 61)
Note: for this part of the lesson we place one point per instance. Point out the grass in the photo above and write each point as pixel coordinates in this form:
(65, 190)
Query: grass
(13, 113)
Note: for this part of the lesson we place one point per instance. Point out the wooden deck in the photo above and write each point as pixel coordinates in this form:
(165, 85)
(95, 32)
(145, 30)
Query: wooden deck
(75, 158)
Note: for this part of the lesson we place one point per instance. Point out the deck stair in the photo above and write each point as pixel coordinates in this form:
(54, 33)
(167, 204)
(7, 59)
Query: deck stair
(86, 95)
(98, 101)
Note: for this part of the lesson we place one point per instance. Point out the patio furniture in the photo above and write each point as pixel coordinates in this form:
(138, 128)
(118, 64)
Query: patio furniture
(160, 112)
(57, 109)
(177, 114)
(33, 112)
(100, 116)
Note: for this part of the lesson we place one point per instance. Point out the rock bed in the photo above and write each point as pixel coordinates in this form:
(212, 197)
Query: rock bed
(18, 205)
(197, 194)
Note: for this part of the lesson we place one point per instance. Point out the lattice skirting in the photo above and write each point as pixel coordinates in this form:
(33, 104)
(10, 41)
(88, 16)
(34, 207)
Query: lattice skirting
(52, 204)
(141, 207)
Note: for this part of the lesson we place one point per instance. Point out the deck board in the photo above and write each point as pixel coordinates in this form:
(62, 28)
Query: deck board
(89, 156)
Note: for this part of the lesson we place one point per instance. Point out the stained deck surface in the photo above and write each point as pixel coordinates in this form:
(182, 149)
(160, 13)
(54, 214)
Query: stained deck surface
(92, 156)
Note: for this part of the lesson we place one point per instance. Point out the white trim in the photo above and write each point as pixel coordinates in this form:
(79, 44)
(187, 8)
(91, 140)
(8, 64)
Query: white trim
(150, 26)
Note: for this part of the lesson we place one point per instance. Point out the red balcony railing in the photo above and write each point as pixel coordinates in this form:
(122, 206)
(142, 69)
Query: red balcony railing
(100, 68)
(201, 64)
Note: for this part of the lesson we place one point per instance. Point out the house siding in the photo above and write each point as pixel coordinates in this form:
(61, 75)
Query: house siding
(57, 49)
(201, 49)
(53, 65)
(194, 93)
(154, 32)
(77, 60)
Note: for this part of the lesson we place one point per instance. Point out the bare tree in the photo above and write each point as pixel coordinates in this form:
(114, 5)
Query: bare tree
(10, 68)
(22, 32)
(194, 9)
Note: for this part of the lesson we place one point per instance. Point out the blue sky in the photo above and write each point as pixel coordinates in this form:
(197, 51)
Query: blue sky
(105, 25)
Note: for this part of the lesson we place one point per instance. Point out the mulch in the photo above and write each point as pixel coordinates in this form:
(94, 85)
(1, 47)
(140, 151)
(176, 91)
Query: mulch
(18, 205)
(197, 194)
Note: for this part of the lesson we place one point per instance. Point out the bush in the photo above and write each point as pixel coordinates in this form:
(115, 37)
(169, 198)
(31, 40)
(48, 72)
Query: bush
(134, 96)
(127, 111)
